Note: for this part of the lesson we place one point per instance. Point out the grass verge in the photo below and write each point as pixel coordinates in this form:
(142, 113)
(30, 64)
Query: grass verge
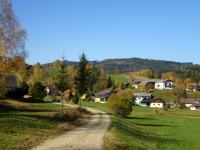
(25, 125)
(144, 129)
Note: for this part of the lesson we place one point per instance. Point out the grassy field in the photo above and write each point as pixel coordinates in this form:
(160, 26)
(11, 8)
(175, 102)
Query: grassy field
(121, 77)
(144, 129)
(24, 125)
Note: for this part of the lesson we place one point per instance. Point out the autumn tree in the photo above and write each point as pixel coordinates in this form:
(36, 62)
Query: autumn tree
(142, 73)
(187, 82)
(101, 84)
(37, 74)
(93, 77)
(169, 76)
(71, 73)
(12, 39)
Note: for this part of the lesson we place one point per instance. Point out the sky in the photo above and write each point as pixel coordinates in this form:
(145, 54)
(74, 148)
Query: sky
(154, 29)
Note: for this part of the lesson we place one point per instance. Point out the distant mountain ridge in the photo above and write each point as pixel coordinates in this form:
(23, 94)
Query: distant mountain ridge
(133, 64)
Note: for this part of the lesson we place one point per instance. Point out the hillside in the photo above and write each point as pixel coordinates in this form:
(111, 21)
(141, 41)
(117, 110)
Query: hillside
(133, 64)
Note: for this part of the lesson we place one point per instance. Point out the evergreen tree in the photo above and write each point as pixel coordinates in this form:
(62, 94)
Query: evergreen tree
(109, 82)
(81, 80)
(62, 78)
(37, 91)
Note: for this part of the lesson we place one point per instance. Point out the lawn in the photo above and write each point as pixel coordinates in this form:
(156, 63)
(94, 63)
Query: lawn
(24, 125)
(144, 129)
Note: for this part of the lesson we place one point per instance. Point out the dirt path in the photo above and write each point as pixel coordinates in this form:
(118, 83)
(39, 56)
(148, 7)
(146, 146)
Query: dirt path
(87, 137)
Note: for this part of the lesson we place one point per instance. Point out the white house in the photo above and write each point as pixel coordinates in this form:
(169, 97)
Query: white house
(187, 102)
(157, 103)
(142, 99)
(164, 85)
(195, 106)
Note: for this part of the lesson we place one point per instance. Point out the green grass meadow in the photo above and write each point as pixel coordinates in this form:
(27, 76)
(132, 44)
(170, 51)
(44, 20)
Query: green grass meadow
(24, 125)
(120, 77)
(144, 129)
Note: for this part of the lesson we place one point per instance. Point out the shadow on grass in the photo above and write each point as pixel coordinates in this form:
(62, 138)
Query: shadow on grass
(132, 130)
(9, 108)
(155, 125)
(142, 118)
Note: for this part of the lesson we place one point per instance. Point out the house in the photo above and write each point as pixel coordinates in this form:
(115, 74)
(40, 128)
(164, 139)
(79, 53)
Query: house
(52, 90)
(195, 106)
(149, 84)
(102, 97)
(11, 83)
(157, 103)
(163, 84)
(143, 99)
(187, 102)
(193, 88)
(144, 84)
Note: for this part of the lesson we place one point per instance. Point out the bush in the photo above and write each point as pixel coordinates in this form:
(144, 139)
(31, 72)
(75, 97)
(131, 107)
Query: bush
(37, 91)
(71, 115)
(121, 103)
(75, 99)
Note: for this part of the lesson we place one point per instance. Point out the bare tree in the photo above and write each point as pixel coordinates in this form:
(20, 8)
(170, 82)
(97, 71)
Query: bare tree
(12, 35)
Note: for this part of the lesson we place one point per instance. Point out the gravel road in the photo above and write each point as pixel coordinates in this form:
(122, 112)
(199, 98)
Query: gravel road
(87, 137)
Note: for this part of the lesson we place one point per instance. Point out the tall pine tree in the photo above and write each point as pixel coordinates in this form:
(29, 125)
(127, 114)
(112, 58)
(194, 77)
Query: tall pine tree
(62, 79)
(81, 80)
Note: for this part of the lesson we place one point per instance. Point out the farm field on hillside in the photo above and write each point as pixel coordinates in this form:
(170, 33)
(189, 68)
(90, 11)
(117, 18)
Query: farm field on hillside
(121, 77)
(144, 129)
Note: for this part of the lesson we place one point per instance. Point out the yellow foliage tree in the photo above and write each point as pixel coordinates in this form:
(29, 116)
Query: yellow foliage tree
(169, 76)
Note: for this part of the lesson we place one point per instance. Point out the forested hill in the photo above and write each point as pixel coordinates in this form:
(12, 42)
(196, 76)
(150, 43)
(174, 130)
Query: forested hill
(133, 64)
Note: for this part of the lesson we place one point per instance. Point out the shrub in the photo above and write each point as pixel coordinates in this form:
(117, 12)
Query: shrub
(37, 91)
(75, 99)
(121, 103)
(72, 115)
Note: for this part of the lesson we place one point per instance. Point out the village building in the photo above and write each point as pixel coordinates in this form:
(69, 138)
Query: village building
(102, 97)
(157, 103)
(143, 99)
(195, 106)
(11, 83)
(193, 88)
(52, 90)
(187, 102)
(150, 84)
(163, 85)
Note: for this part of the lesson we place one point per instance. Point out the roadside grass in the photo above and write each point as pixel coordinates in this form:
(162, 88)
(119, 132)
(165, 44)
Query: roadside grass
(144, 129)
(24, 125)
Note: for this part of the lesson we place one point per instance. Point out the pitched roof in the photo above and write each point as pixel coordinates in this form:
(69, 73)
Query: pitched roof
(157, 100)
(106, 91)
(196, 105)
(187, 100)
(142, 94)
(144, 81)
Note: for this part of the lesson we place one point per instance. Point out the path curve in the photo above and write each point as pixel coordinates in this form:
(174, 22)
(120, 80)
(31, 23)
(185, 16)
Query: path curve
(88, 137)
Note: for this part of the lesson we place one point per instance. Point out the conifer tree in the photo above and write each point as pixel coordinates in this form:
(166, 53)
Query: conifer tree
(81, 80)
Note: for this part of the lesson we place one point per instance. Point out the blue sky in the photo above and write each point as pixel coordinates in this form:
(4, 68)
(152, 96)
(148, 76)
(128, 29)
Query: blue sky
(155, 29)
